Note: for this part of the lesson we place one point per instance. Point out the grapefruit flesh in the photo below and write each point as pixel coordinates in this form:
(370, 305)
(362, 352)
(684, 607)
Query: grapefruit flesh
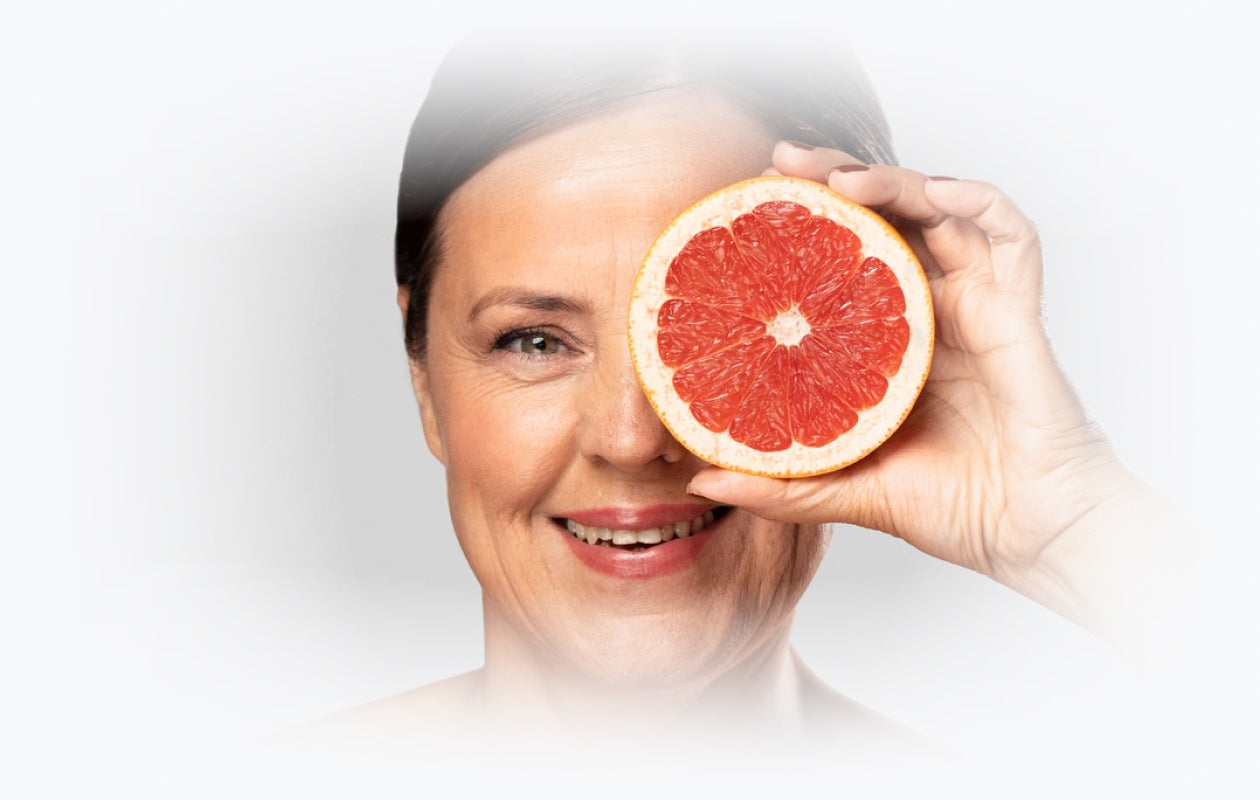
(780, 329)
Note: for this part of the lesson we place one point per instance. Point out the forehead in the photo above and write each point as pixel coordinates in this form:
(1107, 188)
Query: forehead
(594, 194)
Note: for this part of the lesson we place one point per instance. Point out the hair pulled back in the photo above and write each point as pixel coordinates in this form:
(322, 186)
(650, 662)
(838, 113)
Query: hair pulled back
(490, 94)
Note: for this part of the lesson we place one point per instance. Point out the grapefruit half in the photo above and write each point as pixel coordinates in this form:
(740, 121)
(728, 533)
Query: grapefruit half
(781, 329)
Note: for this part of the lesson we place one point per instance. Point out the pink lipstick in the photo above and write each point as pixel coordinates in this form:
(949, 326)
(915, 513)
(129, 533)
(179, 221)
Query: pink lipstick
(641, 542)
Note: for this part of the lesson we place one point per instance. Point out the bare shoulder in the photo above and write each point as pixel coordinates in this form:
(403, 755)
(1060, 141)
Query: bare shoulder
(425, 716)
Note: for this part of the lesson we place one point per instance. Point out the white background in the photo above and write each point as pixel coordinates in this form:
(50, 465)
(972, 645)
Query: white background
(223, 519)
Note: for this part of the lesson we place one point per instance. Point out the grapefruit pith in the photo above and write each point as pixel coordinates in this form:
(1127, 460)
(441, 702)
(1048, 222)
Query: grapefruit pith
(780, 329)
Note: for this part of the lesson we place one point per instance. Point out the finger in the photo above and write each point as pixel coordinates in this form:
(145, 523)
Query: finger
(983, 203)
(955, 244)
(803, 161)
(1016, 246)
(835, 497)
(914, 237)
(895, 190)
(770, 171)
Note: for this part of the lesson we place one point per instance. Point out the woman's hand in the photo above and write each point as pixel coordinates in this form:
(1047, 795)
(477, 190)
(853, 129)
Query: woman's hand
(997, 468)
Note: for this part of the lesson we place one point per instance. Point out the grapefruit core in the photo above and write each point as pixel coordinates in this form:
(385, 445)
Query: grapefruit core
(781, 329)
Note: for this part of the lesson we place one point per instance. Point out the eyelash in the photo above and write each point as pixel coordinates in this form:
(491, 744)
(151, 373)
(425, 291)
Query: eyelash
(503, 341)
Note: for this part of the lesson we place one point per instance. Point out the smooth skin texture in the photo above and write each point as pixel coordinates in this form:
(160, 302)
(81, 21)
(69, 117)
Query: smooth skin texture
(997, 469)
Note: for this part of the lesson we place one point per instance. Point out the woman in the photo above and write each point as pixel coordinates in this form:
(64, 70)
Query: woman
(532, 186)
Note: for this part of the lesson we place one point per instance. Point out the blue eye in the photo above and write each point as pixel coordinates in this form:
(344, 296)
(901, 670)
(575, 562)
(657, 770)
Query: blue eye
(530, 343)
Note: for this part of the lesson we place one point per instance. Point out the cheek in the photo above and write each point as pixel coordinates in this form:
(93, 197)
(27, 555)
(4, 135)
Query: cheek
(506, 444)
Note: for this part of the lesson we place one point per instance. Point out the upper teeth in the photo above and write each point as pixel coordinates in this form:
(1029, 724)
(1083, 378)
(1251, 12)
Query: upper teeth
(661, 533)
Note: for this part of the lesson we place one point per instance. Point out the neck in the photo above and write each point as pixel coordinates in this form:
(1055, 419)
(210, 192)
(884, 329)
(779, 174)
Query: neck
(756, 687)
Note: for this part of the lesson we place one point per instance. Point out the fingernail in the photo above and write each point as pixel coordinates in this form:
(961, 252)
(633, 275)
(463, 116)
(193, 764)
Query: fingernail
(799, 145)
(852, 168)
(941, 178)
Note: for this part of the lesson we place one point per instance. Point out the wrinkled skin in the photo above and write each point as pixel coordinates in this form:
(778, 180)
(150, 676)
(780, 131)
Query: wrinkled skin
(997, 468)
(529, 436)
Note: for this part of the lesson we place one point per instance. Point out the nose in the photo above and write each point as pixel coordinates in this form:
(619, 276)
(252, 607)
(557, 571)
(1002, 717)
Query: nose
(619, 427)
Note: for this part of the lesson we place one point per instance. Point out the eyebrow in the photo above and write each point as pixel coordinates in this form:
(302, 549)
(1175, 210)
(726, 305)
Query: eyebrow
(525, 298)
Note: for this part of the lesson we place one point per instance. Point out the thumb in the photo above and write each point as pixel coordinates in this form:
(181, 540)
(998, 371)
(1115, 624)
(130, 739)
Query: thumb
(842, 496)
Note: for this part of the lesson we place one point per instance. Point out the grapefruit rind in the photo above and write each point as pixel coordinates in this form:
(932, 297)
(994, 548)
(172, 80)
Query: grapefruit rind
(875, 424)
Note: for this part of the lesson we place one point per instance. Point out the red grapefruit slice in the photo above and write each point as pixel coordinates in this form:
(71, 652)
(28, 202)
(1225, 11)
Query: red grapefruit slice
(780, 329)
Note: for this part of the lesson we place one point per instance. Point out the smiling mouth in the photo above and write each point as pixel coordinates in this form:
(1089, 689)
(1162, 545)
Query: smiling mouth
(646, 538)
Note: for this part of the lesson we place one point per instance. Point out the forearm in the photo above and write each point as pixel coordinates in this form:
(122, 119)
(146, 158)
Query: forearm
(1122, 570)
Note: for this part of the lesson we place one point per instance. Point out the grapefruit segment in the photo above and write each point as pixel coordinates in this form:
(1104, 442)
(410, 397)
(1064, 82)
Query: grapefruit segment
(843, 379)
(690, 331)
(871, 293)
(877, 344)
(827, 254)
(706, 270)
(784, 216)
(816, 418)
(762, 419)
(764, 286)
(777, 328)
(715, 386)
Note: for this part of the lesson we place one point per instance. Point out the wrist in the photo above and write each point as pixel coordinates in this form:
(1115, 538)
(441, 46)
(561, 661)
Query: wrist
(1116, 570)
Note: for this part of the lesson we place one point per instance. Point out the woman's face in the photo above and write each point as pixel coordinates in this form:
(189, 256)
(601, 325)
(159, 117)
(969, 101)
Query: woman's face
(529, 399)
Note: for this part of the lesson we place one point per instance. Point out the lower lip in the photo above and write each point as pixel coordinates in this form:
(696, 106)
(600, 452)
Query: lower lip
(661, 559)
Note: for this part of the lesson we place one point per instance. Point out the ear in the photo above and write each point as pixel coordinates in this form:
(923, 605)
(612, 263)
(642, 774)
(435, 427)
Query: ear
(420, 386)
